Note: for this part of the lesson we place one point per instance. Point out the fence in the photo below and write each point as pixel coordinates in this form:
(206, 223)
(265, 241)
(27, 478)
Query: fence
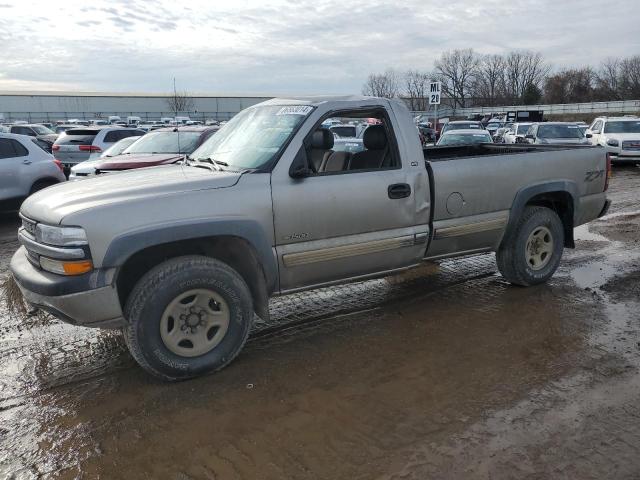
(52, 117)
(619, 107)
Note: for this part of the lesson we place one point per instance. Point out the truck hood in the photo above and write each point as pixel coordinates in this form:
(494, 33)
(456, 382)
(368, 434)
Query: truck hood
(52, 204)
(623, 136)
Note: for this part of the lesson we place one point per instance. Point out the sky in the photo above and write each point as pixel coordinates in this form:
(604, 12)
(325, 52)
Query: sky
(286, 47)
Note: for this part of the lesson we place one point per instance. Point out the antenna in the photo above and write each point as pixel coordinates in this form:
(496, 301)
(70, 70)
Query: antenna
(175, 104)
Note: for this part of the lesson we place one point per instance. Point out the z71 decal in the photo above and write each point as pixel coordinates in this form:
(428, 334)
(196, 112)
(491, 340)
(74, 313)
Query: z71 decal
(592, 175)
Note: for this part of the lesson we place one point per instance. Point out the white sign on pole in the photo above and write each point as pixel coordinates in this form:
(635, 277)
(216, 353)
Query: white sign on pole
(434, 93)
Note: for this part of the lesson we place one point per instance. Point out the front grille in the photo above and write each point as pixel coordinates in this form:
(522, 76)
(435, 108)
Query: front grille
(29, 226)
(631, 145)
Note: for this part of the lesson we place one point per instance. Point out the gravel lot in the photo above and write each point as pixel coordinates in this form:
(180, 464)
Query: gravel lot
(444, 372)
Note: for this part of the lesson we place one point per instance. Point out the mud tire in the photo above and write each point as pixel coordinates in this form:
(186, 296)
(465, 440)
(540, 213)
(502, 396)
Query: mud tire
(157, 288)
(511, 256)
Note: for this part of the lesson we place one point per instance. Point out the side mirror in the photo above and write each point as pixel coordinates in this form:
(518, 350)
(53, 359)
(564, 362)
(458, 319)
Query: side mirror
(588, 135)
(299, 167)
(299, 171)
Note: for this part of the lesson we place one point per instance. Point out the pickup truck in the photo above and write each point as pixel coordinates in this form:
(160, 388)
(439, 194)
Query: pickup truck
(182, 257)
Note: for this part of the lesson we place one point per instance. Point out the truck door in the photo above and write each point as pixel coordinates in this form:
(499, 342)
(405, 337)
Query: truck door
(353, 216)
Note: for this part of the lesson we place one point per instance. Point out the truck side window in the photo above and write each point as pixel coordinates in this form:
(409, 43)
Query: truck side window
(597, 127)
(353, 141)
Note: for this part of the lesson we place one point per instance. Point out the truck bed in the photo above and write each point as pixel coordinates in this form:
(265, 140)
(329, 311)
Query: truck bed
(473, 195)
(435, 154)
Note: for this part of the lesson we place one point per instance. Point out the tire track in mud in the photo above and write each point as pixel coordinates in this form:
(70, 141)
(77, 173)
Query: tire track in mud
(46, 354)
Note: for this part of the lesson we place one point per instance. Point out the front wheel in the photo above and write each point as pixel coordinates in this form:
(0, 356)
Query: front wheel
(188, 316)
(531, 253)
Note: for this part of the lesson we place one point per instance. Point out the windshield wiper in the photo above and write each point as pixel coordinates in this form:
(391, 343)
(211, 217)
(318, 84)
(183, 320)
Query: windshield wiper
(217, 163)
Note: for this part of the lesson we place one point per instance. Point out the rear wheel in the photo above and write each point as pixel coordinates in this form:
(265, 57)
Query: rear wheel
(188, 316)
(532, 251)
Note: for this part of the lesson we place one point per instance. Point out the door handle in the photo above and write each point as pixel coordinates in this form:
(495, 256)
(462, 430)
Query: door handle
(26, 162)
(399, 190)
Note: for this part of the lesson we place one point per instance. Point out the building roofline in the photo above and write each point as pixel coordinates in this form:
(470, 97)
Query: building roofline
(66, 93)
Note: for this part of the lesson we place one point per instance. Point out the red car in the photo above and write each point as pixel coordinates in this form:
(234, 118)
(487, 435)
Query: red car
(159, 147)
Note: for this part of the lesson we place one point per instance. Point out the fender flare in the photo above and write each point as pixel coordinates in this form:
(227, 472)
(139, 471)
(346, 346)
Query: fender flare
(524, 195)
(127, 244)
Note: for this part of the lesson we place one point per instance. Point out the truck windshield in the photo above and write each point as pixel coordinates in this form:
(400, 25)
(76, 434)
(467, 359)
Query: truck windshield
(622, 127)
(559, 131)
(254, 136)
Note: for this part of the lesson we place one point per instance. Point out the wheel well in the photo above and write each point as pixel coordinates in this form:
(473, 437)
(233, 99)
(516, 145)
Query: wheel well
(236, 252)
(48, 181)
(562, 204)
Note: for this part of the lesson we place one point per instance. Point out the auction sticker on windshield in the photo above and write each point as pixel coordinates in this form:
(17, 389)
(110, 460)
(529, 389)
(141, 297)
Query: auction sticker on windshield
(295, 110)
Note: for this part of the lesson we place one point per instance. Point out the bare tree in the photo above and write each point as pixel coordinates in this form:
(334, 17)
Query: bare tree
(382, 85)
(457, 70)
(417, 90)
(573, 85)
(489, 81)
(180, 102)
(630, 77)
(608, 80)
(523, 69)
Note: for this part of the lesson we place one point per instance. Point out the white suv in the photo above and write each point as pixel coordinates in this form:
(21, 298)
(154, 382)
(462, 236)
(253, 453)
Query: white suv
(619, 135)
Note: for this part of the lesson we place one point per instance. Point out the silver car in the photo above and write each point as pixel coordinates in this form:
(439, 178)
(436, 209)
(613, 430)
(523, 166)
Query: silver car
(86, 143)
(25, 168)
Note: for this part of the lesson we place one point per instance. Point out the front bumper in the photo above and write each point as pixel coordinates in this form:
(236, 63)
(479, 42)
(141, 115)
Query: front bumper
(89, 300)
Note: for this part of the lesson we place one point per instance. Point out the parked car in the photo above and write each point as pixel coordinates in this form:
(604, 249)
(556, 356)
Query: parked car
(350, 145)
(498, 137)
(345, 130)
(84, 143)
(182, 257)
(620, 136)
(61, 128)
(493, 126)
(558, 133)
(25, 168)
(428, 133)
(472, 136)
(516, 133)
(461, 125)
(46, 135)
(88, 167)
(159, 147)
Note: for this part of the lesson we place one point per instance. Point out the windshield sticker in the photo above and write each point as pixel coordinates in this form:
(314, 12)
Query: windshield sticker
(295, 110)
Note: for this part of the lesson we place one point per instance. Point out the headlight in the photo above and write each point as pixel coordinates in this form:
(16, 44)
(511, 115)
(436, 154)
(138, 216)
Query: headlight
(613, 143)
(60, 236)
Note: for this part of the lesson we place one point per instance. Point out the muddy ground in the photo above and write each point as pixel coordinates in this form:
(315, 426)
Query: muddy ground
(446, 372)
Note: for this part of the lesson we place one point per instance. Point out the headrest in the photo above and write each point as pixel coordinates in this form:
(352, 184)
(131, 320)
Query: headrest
(322, 139)
(375, 138)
